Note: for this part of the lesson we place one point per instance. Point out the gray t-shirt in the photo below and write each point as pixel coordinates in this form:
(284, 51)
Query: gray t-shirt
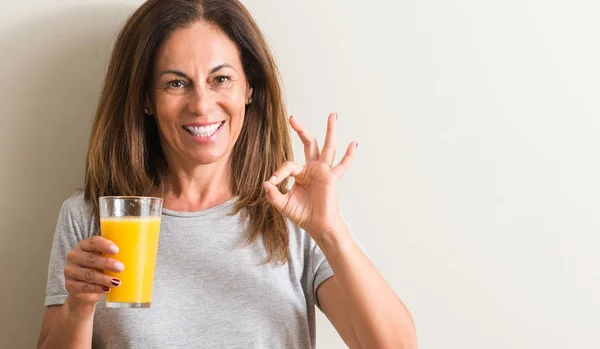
(209, 290)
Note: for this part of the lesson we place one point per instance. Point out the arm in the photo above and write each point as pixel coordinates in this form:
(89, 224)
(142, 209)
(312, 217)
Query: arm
(71, 325)
(358, 298)
(370, 315)
(333, 306)
(67, 326)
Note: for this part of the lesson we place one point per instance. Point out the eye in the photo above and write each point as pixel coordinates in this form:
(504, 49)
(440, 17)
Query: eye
(222, 79)
(175, 84)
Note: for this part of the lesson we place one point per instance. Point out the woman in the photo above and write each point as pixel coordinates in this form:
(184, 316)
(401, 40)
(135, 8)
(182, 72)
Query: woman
(192, 111)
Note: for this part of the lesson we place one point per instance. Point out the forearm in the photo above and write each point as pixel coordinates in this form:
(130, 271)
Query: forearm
(73, 328)
(379, 318)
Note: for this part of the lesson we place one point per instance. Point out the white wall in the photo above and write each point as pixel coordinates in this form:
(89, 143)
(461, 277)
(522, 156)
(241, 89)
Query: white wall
(52, 58)
(477, 182)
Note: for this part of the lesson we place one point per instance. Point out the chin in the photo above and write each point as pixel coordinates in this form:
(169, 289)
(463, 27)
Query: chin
(209, 157)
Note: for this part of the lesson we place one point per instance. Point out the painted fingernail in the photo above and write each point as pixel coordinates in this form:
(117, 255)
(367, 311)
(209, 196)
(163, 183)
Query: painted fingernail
(273, 179)
(115, 282)
(118, 267)
(106, 289)
(113, 249)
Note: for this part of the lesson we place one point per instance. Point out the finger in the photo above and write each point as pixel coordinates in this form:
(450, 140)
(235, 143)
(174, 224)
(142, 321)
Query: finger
(94, 261)
(328, 151)
(289, 168)
(346, 161)
(99, 244)
(91, 276)
(75, 286)
(311, 147)
(274, 196)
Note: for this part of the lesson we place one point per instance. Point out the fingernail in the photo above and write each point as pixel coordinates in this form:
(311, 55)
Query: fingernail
(115, 282)
(273, 179)
(113, 249)
(106, 289)
(335, 116)
(292, 117)
(356, 145)
(118, 267)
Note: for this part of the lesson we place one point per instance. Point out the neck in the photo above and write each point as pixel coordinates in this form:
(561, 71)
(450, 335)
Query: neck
(198, 187)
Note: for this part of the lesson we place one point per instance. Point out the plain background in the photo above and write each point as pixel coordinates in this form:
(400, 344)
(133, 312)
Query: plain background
(476, 185)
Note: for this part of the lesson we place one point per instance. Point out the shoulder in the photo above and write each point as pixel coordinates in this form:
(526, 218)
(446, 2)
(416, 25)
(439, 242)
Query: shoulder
(75, 200)
(76, 204)
(78, 211)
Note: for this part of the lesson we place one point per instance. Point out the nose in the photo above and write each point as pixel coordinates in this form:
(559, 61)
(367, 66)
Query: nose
(200, 100)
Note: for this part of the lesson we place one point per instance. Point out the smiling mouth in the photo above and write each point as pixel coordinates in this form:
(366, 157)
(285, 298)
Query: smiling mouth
(204, 131)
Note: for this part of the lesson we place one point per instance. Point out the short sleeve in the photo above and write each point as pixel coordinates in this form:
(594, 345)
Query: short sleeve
(321, 268)
(67, 235)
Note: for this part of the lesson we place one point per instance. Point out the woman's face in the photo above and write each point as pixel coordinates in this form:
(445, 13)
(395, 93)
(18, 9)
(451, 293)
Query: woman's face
(199, 95)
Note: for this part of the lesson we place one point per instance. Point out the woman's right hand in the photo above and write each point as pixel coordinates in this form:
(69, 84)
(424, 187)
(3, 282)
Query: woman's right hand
(84, 277)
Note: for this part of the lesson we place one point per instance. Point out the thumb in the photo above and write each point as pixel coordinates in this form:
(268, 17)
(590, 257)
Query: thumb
(274, 196)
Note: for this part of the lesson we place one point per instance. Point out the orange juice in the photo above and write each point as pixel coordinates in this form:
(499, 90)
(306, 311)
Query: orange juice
(137, 239)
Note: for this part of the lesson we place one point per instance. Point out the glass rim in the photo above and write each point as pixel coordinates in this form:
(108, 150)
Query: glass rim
(129, 197)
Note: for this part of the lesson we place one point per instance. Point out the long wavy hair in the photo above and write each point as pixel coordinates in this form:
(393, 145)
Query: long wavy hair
(125, 155)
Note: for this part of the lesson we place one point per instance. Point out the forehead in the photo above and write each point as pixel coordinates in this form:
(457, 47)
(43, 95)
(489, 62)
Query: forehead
(198, 46)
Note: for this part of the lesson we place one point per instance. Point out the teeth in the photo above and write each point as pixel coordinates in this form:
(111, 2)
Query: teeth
(203, 131)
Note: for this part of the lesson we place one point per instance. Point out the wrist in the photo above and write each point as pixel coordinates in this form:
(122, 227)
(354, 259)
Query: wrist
(79, 310)
(335, 241)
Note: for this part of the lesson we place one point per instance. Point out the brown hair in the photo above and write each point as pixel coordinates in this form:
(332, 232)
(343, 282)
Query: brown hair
(125, 156)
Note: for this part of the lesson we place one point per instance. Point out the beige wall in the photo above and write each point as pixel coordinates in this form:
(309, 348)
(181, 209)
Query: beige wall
(477, 180)
(52, 58)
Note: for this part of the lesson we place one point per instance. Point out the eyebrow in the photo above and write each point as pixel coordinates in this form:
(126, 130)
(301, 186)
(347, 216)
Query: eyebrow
(183, 75)
(219, 67)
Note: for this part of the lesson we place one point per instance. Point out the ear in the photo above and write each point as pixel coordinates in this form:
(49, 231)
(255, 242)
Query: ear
(148, 105)
(249, 93)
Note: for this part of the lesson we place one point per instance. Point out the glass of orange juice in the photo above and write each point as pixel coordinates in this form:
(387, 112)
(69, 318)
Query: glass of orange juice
(133, 224)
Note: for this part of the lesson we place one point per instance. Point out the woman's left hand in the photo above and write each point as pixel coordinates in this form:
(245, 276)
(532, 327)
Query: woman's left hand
(312, 202)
